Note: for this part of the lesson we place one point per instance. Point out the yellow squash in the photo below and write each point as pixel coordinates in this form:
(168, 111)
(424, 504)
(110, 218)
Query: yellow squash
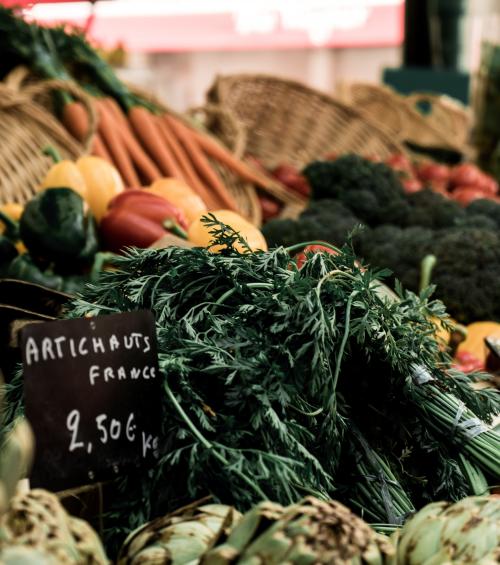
(199, 233)
(103, 183)
(180, 195)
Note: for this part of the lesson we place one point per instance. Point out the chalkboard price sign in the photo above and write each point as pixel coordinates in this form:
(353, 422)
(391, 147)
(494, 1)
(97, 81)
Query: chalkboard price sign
(92, 396)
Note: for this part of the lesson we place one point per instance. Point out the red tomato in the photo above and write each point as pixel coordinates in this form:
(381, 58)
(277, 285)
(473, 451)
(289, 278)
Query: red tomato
(466, 174)
(331, 156)
(488, 184)
(412, 185)
(270, 207)
(399, 162)
(301, 257)
(290, 176)
(464, 195)
(433, 172)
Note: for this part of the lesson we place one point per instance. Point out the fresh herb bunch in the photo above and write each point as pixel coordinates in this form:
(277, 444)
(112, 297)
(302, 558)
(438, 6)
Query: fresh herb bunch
(267, 368)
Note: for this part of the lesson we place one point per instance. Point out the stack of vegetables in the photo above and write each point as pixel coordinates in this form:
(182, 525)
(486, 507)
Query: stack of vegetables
(401, 229)
(280, 381)
(136, 135)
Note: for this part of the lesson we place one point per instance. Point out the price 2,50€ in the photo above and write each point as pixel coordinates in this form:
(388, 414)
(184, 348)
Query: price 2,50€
(110, 430)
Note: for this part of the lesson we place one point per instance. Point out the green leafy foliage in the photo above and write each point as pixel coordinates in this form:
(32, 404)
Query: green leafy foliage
(268, 368)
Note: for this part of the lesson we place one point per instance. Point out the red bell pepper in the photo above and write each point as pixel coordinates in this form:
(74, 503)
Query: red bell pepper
(138, 218)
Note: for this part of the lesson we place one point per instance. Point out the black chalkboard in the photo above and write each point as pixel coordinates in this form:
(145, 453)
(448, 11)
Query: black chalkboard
(92, 396)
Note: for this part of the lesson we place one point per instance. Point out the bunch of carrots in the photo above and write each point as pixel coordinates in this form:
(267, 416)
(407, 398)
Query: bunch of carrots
(143, 142)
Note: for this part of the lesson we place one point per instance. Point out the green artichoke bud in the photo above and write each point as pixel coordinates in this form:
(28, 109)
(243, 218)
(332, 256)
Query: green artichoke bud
(36, 520)
(180, 538)
(16, 456)
(463, 533)
(310, 532)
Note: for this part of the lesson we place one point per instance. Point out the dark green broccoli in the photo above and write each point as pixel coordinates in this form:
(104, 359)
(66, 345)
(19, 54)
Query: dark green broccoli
(478, 221)
(432, 210)
(398, 249)
(327, 220)
(485, 207)
(366, 188)
(467, 272)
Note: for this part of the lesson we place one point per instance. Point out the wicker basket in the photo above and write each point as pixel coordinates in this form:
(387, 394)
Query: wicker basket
(287, 122)
(26, 128)
(445, 125)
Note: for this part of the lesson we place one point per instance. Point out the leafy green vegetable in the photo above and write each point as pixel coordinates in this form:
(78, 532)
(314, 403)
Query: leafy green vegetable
(268, 368)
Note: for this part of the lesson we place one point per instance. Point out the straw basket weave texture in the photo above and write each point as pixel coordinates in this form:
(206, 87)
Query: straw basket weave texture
(445, 124)
(26, 128)
(287, 122)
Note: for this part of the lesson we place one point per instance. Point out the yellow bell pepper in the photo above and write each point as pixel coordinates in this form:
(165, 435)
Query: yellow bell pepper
(199, 233)
(63, 174)
(180, 195)
(103, 183)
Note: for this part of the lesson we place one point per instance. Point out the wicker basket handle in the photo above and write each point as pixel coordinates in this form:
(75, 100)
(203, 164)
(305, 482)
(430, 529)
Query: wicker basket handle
(57, 84)
(239, 142)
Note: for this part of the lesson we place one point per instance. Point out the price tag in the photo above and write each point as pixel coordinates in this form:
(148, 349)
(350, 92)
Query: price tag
(92, 397)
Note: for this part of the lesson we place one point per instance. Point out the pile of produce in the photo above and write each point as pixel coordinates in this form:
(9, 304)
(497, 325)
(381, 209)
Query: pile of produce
(137, 136)
(34, 527)
(401, 229)
(282, 381)
(316, 531)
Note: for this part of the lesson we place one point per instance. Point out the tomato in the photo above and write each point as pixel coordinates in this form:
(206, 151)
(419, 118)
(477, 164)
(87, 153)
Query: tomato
(270, 207)
(488, 184)
(433, 172)
(411, 185)
(301, 257)
(291, 177)
(331, 156)
(464, 195)
(399, 162)
(466, 174)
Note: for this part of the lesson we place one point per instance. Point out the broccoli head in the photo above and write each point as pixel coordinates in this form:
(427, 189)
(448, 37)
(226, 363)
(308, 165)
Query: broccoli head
(467, 272)
(432, 210)
(327, 220)
(365, 187)
(485, 207)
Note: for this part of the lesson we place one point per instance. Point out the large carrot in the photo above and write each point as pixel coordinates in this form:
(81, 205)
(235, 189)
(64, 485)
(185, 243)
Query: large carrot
(146, 130)
(146, 168)
(116, 111)
(175, 146)
(76, 121)
(116, 148)
(220, 196)
(225, 157)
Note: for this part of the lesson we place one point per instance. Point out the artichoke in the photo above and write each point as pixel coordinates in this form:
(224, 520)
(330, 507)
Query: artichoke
(443, 533)
(179, 538)
(310, 532)
(37, 521)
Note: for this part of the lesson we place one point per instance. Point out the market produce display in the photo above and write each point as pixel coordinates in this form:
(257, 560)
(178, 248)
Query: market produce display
(401, 229)
(142, 140)
(322, 385)
(268, 371)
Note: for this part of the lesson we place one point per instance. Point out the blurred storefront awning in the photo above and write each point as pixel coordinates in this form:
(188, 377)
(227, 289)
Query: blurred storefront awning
(194, 25)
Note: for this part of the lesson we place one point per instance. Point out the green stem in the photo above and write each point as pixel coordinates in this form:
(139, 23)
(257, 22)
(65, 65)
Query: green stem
(175, 228)
(100, 260)
(426, 266)
(344, 341)
(53, 153)
(208, 445)
(231, 291)
(298, 246)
